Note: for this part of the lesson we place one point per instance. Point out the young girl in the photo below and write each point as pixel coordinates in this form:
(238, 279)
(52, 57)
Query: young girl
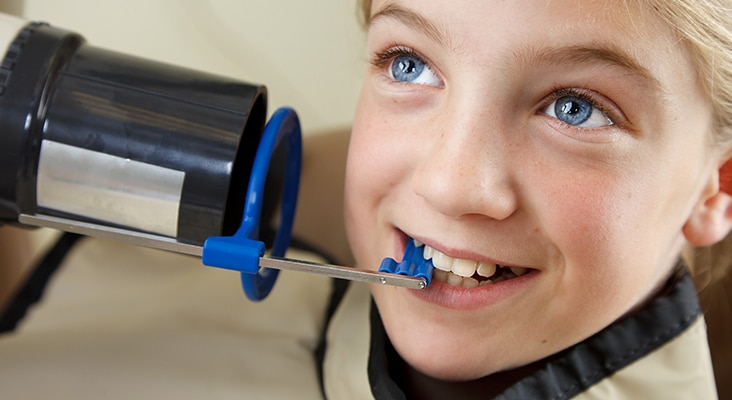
(553, 158)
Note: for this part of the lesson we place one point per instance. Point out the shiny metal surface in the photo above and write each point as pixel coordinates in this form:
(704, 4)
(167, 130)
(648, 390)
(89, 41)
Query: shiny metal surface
(109, 188)
(170, 244)
(108, 232)
(337, 271)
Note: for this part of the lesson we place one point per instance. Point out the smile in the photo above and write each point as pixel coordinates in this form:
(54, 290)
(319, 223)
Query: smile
(467, 274)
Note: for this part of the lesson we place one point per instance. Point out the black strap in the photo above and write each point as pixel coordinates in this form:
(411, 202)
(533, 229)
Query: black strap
(34, 286)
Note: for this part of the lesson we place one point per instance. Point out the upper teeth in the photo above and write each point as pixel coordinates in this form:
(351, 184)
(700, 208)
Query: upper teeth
(462, 267)
(486, 269)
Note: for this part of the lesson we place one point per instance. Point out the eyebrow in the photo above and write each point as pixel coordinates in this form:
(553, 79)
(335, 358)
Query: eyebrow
(411, 19)
(585, 55)
(579, 54)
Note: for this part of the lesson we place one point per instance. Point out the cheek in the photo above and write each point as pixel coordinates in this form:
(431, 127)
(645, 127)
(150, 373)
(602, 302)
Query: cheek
(369, 162)
(584, 216)
(602, 265)
(612, 225)
(601, 222)
(381, 151)
(374, 167)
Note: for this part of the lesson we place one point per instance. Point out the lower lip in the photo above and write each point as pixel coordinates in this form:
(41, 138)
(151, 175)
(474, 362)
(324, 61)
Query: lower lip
(458, 298)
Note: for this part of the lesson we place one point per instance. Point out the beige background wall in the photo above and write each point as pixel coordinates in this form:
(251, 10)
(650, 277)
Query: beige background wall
(309, 53)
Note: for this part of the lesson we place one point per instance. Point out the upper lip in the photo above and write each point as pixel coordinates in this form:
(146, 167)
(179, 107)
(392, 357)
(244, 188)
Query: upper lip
(464, 254)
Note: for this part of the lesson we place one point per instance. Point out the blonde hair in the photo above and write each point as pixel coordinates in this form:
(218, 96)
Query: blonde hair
(705, 27)
(364, 12)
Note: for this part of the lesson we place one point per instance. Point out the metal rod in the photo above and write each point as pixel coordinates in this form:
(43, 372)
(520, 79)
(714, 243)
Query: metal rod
(170, 244)
(337, 271)
(108, 232)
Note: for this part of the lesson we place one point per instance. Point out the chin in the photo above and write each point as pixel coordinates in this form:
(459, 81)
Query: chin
(435, 350)
(450, 365)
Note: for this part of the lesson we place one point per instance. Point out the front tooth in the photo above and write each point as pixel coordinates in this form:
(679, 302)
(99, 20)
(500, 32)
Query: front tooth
(428, 252)
(518, 271)
(464, 268)
(417, 243)
(486, 270)
(442, 261)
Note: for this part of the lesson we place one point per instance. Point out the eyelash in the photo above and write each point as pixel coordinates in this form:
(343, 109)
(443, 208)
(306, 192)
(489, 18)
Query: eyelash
(381, 59)
(557, 93)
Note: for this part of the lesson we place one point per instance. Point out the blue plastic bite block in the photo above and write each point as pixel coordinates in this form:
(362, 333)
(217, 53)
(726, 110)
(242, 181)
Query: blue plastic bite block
(233, 252)
(412, 264)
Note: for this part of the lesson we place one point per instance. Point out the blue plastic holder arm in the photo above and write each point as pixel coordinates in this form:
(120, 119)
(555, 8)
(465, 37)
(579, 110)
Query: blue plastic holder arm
(241, 252)
(412, 264)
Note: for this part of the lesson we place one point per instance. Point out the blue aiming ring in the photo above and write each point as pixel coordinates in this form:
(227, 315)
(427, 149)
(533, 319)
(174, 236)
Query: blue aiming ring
(283, 129)
(241, 251)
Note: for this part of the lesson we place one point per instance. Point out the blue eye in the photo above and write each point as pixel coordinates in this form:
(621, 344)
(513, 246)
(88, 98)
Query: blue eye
(576, 111)
(410, 69)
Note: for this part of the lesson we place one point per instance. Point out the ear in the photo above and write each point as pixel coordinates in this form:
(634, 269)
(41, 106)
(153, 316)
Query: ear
(711, 219)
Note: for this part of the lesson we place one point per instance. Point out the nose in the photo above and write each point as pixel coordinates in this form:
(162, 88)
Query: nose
(466, 172)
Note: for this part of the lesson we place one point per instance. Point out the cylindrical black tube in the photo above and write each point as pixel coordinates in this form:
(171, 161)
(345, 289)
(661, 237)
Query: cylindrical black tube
(93, 134)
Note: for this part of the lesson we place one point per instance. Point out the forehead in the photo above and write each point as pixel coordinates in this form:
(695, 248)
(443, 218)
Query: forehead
(560, 9)
(476, 18)
(625, 32)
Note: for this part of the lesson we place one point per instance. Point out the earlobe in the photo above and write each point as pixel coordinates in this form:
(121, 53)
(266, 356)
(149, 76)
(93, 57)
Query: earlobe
(711, 220)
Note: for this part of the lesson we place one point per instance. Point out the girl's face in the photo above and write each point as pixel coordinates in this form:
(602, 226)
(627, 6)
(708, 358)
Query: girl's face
(568, 140)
